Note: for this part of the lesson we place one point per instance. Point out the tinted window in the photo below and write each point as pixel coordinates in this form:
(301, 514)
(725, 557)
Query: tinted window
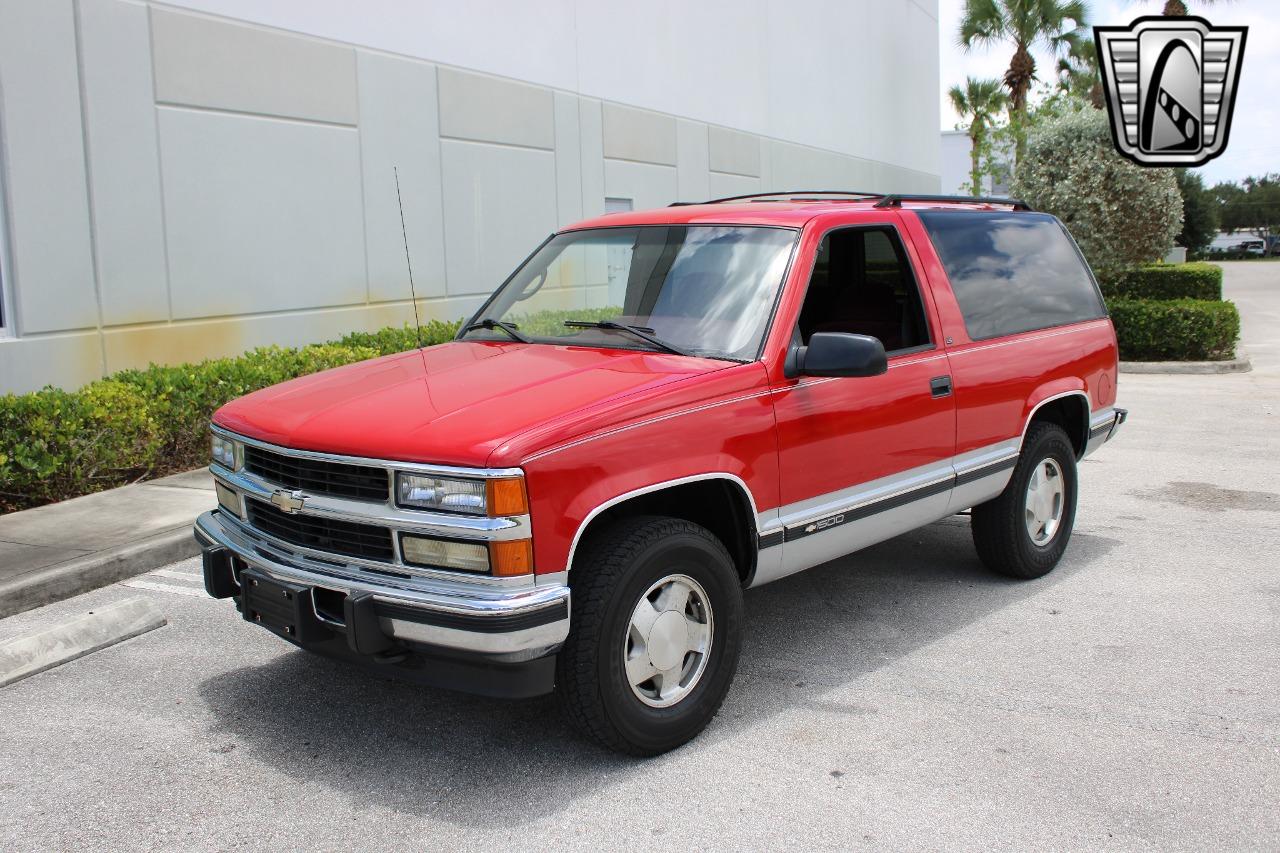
(862, 284)
(1012, 272)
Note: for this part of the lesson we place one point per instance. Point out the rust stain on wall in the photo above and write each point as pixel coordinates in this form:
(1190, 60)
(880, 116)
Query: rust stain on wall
(139, 347)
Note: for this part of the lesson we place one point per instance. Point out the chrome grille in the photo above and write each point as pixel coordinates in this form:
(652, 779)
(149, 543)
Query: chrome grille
(367, 541)
(318, 477)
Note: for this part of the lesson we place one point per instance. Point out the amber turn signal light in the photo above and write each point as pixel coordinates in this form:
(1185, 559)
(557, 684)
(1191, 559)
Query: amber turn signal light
(507, 497)
(508, 559)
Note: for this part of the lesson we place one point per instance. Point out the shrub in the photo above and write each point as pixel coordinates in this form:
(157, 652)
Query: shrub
(56, 444)
(1166, 281)
(1175, 330)
(393, 340)
(1120, 213)
(551, 321)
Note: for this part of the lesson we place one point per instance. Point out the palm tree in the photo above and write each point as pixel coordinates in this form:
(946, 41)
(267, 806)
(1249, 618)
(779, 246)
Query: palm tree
(981, 100)
(1078, 73)
(1058, 24)
(1178, 9)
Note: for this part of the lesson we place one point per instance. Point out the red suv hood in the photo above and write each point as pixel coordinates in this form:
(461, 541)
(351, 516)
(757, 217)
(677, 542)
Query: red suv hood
(453, 404)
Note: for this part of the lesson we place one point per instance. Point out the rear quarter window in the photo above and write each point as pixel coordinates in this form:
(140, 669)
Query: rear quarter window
(1012, 272)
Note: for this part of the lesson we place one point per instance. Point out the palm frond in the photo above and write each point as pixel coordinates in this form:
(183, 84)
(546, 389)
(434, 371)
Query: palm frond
(983, 22)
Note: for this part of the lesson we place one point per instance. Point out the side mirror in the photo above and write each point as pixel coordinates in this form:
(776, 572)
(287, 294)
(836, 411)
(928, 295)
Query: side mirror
(838, 354)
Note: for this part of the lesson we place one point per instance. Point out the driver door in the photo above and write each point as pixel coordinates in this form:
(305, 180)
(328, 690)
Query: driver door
(863, 459)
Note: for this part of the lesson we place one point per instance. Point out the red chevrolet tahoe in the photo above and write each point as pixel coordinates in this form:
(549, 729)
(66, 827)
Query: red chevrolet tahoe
(655, 412)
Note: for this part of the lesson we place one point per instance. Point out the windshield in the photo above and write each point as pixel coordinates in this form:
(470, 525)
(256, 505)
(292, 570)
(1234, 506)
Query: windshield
(706, 290)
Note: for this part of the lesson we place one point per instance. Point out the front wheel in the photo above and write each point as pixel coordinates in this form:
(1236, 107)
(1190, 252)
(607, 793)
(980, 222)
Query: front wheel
(1024, 532)
(656, 632)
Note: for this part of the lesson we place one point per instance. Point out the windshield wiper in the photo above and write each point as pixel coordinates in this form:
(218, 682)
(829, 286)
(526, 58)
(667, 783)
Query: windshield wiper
(642, 332)
(490, 324)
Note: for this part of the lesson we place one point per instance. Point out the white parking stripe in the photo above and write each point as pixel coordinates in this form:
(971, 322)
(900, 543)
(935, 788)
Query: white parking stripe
(164, 587)
(182, 576)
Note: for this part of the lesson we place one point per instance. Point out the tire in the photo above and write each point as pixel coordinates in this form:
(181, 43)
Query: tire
(641, 559)
(1002, 527)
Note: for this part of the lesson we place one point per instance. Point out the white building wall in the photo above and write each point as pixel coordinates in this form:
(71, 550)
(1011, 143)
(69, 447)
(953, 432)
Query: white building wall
(956, 163)
(178, 184)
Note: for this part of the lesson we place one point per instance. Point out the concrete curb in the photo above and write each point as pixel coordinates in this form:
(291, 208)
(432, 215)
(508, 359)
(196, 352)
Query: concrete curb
(39, 588)
(1235, 365)
(21, 657)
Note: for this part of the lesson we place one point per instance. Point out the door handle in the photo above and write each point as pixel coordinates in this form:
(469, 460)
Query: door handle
(940, 386)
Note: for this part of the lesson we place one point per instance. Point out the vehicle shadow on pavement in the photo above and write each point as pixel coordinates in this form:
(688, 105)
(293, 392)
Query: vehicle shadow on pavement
(475, 761)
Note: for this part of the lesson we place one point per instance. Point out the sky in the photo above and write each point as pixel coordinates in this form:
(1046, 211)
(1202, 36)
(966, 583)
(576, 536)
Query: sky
(1254, 146)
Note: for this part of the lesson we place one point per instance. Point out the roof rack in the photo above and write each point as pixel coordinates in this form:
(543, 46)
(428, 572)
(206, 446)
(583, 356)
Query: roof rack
(896, 200)
(766, 196)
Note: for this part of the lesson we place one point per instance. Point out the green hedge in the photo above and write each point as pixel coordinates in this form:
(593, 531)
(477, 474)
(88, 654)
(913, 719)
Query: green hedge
(1175, 330)
(57, 444)
(1166, 281)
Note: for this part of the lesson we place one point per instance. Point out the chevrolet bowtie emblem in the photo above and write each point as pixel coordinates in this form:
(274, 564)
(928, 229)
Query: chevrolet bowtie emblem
(1171, 86)
(290, 502)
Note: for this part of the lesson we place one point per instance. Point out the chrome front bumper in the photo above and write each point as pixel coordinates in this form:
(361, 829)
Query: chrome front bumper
(507, 624)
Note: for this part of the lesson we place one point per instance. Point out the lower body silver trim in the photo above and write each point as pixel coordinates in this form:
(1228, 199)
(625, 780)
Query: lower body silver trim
(830, 526)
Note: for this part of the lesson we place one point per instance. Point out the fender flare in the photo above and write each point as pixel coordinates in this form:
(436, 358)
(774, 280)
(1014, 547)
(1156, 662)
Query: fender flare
(1075, 392)
(591, 516)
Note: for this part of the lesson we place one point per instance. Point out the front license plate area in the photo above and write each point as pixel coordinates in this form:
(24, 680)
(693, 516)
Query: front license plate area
(280, 606)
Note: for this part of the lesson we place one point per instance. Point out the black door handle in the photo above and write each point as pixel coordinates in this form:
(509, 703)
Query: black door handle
(940, 386)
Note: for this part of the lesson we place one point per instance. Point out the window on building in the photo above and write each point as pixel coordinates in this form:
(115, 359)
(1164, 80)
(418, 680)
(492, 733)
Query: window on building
(862, 283)
(1012, 272)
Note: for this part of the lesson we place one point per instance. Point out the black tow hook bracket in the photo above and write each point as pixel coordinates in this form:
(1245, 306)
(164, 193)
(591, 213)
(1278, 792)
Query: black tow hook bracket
(219, 579)
(364, 634)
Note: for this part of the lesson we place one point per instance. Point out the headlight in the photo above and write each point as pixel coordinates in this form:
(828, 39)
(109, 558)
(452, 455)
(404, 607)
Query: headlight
(227, 453)
(423, 491)
(495, 497)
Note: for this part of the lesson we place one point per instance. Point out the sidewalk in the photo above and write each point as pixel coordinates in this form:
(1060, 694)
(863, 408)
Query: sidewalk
(63, 549)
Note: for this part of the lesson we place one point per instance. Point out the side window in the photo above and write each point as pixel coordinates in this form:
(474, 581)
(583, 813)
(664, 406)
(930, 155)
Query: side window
(862, 283)
(1012, 272)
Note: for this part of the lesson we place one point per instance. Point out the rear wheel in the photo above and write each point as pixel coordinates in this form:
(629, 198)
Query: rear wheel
(1024, 532)
(656, 632)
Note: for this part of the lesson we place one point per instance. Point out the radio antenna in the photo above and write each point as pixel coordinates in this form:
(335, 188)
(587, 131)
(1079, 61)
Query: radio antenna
(417, 323)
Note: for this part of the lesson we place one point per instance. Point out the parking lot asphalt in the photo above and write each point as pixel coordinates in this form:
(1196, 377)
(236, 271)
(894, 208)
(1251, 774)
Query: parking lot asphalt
(900, 698)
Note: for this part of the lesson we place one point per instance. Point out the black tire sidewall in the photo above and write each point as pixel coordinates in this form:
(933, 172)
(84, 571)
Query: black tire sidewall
(658, 729)
(1049, 444)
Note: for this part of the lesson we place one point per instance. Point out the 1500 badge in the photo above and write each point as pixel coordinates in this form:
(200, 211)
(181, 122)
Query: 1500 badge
(825, 523)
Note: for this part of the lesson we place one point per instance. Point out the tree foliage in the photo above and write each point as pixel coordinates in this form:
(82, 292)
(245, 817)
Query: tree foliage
(1199, 212)
(1059, 25)
(1178, 9)
(981, 102)
(1120, 213)
(1253, 205)
(1078, 74)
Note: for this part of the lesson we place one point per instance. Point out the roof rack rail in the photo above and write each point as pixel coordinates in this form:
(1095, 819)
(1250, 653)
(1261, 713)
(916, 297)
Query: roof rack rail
(896, 200)
(762, 196)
